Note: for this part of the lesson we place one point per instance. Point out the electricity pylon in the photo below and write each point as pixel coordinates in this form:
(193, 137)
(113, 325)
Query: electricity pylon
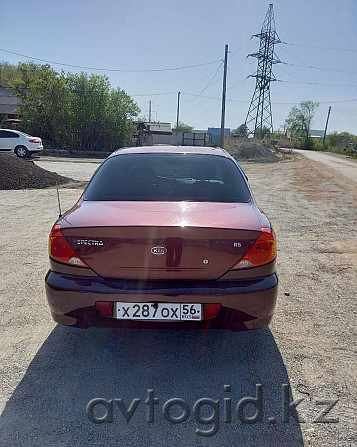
(259, 115)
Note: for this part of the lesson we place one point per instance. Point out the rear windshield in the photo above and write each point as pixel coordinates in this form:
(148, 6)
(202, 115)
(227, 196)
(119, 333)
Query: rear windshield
(168, 178)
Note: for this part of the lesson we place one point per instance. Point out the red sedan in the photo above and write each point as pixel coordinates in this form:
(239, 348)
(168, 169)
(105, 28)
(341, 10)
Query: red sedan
(164, 237)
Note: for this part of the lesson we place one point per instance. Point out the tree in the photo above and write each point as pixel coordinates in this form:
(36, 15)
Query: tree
(299, 122)
(44, 98)
(242, 131)
(332, 139)
(341, 139)
(277, 135)
(87, 100)
(121, 110)
(74, 111)
(8, 72)
(184, 127)
(262, 132)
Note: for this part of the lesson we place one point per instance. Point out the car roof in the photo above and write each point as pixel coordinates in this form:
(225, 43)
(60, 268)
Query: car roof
(201, 150)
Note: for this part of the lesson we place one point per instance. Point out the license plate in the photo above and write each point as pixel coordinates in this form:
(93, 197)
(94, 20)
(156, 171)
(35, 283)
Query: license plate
(158, 311)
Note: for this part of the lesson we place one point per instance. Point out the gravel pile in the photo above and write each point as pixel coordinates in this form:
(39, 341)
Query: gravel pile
(24, 174)
(252, 151)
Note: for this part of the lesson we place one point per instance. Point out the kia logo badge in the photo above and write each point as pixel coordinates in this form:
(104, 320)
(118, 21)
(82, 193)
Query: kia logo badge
(159, 250)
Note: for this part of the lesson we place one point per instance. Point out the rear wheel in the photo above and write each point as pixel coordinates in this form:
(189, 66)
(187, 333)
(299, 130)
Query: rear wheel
(22, 151)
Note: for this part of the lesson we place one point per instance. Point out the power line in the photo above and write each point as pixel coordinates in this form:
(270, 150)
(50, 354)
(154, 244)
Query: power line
(210, 109)
(234, 52)
(316, 83)
(238, 96)
(218, 98)
(320, 68)
(292, 55)
(296, 77)
(304, 65)
(209, 83)
(234, 68)
(303, 81)
(111, 69)
(207, 76)
(320, 102)
(238, 83)
(207, 97)
(240, 64)
(279, 103)
(194, 94)
(197, 95)
(315, 46)
(346, 111)
(155, 94)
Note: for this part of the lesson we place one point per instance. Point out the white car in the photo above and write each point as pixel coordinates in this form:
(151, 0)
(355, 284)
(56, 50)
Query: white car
(20, 143)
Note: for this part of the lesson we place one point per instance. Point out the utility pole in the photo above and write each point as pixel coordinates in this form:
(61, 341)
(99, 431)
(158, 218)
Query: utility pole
(224, 88)
(178, 110)
(149, 111)
(328, 117)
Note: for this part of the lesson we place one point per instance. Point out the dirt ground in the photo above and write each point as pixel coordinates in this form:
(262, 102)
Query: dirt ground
(49, 373)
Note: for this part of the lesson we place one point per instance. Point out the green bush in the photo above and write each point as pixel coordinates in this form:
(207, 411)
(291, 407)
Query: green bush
(318, 146)
(74, 111)
(340, 150)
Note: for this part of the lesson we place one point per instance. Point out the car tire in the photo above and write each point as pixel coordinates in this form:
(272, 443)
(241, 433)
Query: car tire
(22, 151)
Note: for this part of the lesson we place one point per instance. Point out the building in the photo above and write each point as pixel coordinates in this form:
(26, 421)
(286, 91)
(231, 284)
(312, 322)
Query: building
(317, 134)
(9, 103)
(214, 135)
(150, 133)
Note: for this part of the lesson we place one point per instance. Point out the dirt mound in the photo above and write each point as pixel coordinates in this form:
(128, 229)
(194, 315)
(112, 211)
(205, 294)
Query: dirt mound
(24, 174)
(252, 151)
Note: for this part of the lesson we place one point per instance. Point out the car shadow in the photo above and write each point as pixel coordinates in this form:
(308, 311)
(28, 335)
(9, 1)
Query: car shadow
(74, 366)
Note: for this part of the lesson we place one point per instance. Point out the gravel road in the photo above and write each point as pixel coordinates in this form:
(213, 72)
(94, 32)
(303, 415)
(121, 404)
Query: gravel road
(49, 373)
(342, 164)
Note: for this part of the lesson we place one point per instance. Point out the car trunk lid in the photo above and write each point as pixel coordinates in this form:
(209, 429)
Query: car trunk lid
(167, 240)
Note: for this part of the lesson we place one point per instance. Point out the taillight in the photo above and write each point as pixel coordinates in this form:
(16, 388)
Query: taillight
(262, 252)
(60, 250)
(34, 141)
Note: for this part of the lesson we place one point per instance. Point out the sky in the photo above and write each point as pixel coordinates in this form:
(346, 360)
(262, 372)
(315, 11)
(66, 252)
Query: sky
(141, 35)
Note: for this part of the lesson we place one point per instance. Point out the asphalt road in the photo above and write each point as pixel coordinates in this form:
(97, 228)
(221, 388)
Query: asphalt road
(344, 166)
(49, 373)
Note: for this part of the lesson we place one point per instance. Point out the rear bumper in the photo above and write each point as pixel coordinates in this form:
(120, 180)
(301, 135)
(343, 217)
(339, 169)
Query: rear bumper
(34, 149)
(246, 303)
